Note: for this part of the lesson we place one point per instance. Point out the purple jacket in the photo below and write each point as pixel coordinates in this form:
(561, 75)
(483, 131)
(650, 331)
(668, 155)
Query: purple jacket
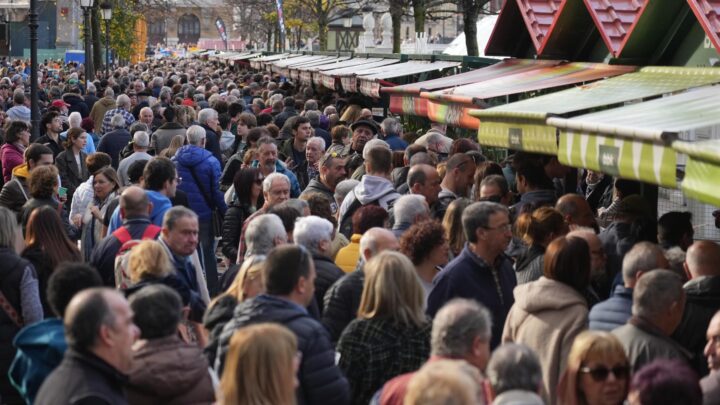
(10, 156)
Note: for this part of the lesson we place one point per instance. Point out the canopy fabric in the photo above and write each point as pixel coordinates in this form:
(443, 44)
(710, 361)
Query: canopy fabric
(315, 72)
(702, 170)
(293, 71)
(370, 83)
(260, 62)
(329, 76)
(635, 141)
(536, 79)
(498, 122)
(405, 99)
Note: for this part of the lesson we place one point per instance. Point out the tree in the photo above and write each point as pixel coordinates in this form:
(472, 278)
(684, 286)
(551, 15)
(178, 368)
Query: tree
(471, 9)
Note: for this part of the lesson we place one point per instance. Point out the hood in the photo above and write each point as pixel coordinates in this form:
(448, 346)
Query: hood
(371, 188)
(266, 308)
(191, 155)
(160, 205)
(106, 102)
(220, 312)
(316, 186)
(546, 295)
(43, 342)
(71, 98)
(167, 366)
(703, 288)
(21, 171)
(171, 125)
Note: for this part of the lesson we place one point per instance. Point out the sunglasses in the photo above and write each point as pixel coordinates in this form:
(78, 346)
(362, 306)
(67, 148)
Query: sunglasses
(601, 373)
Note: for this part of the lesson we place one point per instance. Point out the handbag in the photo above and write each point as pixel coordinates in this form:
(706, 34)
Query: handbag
(217, 219)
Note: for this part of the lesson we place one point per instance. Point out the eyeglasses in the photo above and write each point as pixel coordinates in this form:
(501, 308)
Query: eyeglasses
(602, 373)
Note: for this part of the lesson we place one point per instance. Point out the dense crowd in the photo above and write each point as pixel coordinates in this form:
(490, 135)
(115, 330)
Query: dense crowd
(186, 233)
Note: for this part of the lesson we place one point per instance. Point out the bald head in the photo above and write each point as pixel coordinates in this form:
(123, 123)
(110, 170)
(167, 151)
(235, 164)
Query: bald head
(86, 313)
(703, 258)
(134, 202)
(376, 240)
(576, 211)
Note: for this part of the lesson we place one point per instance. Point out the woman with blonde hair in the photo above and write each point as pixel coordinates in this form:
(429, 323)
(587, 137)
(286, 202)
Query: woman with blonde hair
(598, 371)
(261, 366)
(148, 260)
(176, 143)
(391, 335)
(248, 283)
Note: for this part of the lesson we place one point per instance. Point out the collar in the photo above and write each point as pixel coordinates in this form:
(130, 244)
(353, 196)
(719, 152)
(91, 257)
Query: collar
(136, 220)
(479, 260)
(113, 375)
(177, 259)
(292, 303)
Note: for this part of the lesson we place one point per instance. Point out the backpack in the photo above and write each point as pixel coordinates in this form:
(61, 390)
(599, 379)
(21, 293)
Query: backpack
(122, 258)
(346, 220)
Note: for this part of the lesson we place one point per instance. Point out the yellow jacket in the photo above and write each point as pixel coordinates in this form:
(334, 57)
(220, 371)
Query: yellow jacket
(348, 256)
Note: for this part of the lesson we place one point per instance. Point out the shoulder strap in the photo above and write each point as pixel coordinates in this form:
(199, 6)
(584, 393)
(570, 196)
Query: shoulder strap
(207, 198)
(123, 235)
(22, 190)
(151, 232)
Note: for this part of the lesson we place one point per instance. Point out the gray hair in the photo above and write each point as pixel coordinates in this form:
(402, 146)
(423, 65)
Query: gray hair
(514, 367)
(91, 88)
(310, 231)
(109, 92)
(297, 204)
(314, 117)
(267, 183)
(373, 143)
(74, 119)
(261, 233)
(343, 188)
(368, 241)
(205, 114)
(311, 105)
(265, 140)
(408, 207)
(138, 126)
(157, 81)
(391, 126)
(195, 135)
(477, 215)
(141, 139)
(8, 228)
(117, 121)
(644, 256)
(123, 100)
(456, 325)
(318, 140)
(655, 292)
(174, 214)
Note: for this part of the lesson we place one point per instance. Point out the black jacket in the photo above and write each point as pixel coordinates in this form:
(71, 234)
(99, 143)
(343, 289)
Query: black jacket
(216, 316)
(11, 273)
(321, 381)
(83, 378)
(71, 175)
(341, 302)
(113, 143)
(77, 104)
(286, 113)
(13, 195)
(327, 274)
(316, 186)
(703, 300)
(70, 229)
(235, 215)
(103, 255)
(212, 143)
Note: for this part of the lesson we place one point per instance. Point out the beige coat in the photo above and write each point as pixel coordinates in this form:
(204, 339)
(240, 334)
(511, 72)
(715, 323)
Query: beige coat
(546, 316)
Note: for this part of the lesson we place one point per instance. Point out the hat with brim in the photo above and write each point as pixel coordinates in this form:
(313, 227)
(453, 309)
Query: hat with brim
(370, 124)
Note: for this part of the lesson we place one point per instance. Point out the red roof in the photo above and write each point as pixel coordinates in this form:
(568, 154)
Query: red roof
(616, 20)
(509, 37)
(539, 16)
(708, 13)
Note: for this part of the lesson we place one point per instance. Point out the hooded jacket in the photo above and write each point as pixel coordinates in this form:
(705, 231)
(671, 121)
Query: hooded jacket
(370, 189)
(15, 193)
(12, 157)
(160, 205)
(77, 104)
(162, 137)
(206, 168)
(321, 381)
(703, 301)
(169, 371)
(280, 168)
(316, 186)
(40, 349)
(19, 113)
(546, 317)
(97, 114)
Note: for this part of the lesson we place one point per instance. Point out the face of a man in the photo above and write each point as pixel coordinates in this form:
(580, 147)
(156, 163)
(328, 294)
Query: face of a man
(44, 160)
(431, 188)
(498, 233)
(361, 135)
(55, 125)
(212, 121)
(597, 256)
(303, 132)
(183, 238)
(268, 156)
(466, 175)
(712, 348)
(279, 192)
(313, 152)
(333, 173)
(584, 216)
(488, 191)
(146, 116)
(123, 333)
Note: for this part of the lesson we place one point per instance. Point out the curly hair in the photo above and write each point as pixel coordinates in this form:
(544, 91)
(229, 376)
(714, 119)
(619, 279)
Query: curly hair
(42, 181)
(419, 240)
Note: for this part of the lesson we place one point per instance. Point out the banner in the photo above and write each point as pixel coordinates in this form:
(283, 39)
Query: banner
(221, 30)
(281, 21)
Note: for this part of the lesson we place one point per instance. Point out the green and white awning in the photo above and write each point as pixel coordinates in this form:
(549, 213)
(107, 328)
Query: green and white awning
(702, 171)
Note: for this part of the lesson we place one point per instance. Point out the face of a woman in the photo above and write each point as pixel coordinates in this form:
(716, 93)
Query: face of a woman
(256, 188)
(24, 137)
(80, 142)
(242, 129)
(102, 186)
(601, 387)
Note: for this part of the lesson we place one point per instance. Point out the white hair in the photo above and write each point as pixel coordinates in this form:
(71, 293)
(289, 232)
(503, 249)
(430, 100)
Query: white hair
(408, 207)
(318, 140)
(269, 179)
(195, 135)
(74, 119)
(261, 233)
(141, 139)
(310, 231)
(368, 241)
(205, 114)
(123, 100)
(117, 121)
(374, 143)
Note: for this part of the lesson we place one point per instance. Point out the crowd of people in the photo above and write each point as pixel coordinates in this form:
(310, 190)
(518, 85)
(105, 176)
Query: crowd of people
(186, 233)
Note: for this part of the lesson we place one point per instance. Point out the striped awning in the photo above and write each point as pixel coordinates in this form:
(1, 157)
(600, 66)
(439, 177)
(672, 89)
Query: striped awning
(530, 115)
(330, 77)
(637, 141)
(370, 82)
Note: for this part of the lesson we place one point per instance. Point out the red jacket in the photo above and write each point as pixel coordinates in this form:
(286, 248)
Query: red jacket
(10, 156)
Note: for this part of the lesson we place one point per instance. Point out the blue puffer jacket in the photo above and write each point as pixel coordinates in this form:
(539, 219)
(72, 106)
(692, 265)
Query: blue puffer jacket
(613, 312)
(191, 158)
(321, 381)
(280, 168)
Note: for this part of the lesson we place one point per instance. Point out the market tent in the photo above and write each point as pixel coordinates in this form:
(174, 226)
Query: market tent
(294, 71)
(281, 66)
(312, 74)
(242, 58)
(329, 77)
(405, 99)
(522, 125)
(636, 141)
(259, 63)
(372, 80)
(453, 106)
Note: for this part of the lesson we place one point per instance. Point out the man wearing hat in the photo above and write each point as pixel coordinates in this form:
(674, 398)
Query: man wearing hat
(363, 131)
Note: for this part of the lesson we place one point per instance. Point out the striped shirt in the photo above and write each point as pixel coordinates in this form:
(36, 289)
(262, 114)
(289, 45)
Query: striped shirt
(106, 127)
